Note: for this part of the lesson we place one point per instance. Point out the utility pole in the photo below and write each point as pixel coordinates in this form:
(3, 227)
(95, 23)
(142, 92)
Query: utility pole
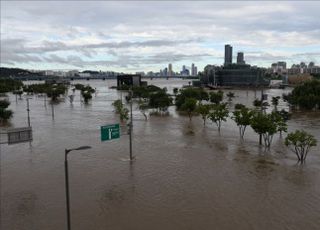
(260, 136)
(66, 173)
(28, 111)
(131, 125)
(52, 110)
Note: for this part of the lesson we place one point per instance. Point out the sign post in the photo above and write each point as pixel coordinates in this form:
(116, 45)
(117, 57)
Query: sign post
(110, 132)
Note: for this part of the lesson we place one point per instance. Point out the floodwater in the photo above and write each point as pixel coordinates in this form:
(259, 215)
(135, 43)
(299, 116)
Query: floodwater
(185, 176)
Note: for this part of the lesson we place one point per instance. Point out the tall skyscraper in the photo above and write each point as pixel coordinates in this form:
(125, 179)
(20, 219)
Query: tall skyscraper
(240, 58)
(170, 70)
(227, 55)
(192, 69)
(195, 71)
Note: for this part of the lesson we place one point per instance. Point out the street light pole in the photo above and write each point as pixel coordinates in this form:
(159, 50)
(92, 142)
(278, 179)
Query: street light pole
(66, 173)
(52, 110)
(260, 136)
(28, 111)
(67, 187)
(131, 125)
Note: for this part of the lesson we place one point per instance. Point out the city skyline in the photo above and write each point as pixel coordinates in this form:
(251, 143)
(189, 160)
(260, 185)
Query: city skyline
(130, 37)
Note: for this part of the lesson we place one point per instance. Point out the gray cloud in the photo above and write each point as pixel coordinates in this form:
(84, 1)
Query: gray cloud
(139, 34)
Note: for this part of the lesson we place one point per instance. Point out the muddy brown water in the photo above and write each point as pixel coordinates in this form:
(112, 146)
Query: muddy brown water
(185, 176)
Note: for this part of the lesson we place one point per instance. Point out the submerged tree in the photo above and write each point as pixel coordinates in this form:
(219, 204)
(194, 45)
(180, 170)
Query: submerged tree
(86, 96)
(216, 97)
(143, 107)
(175, 91)
(160, 100)
(219, 114)
(204, 111)
(5, 114)
(189, 106)
(305, 96)
(280, 122)
(300, 143)
(195, 93)
(275, 102)
(230, 95)
(121, 110)
(242, 117)
(264, 125)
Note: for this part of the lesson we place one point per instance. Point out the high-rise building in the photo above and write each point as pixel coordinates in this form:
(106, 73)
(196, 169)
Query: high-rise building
(240, 58)
(311, 65)
(165, 72)
(282, 64)
(195, 71)
(184, 71)
(192, 69)
(227, 55)
(170, 70)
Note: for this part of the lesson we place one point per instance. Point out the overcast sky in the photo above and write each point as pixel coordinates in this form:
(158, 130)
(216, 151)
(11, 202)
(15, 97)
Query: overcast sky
(143, 36)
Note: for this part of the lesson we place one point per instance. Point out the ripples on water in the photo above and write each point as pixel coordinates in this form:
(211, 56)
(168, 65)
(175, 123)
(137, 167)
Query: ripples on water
(185, 176)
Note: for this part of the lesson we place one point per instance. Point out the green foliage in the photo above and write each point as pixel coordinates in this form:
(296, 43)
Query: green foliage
(300, 143)
(275, 101)
(8, 85)
(243, 117)
(239, 106)
(257, 103)
(18, 92)
(219, 113)
(86, 91)
(216, 97)
(160, 100)
(117, 105)
(86, 96)
(279, 121)
(4, 113)
(230, 95)
(124, 114)
(306, 96)
(195, 93)
(175, 91)
(316, 76)
(79, 86)
(284, 114)
(121, 110)
(204, 111)
(145, 91)
(189, 106)
(260, 104)
(52, 90)
(264, 125)
(143, 107)
(4, 104)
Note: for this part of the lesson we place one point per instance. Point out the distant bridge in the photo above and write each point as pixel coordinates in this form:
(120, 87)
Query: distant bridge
(96, 77)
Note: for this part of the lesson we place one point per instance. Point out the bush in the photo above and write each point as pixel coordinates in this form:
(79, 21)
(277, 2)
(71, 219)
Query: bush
(8, 85)
(4, 104)
(216, 97)
(160, 100)
(301, 142)
(4, 113)
(306, 96)
(195, 93)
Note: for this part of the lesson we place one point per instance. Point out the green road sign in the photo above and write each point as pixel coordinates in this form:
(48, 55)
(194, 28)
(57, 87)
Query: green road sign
(110, 132)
